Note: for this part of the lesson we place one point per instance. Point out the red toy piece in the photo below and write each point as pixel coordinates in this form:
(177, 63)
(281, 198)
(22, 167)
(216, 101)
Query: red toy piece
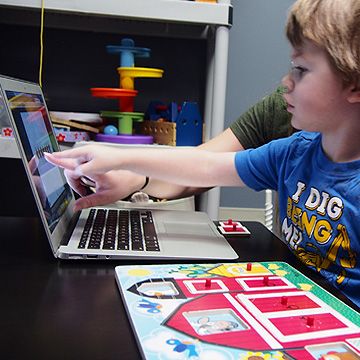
(230, 227)
(124, 96)
(284, 300)
(310, 321)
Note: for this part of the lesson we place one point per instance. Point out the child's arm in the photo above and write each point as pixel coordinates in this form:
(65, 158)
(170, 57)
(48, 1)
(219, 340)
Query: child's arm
(191, 167)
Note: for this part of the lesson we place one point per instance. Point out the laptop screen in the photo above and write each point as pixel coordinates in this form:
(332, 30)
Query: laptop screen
(34, 128)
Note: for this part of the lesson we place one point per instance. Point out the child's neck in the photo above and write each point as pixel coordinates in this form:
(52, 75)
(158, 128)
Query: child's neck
(344, 146)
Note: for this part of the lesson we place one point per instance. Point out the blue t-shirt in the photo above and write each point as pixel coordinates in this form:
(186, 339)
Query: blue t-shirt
(319, 203)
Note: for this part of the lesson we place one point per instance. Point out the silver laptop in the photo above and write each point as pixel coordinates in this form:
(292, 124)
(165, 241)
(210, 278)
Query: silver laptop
(99, 233)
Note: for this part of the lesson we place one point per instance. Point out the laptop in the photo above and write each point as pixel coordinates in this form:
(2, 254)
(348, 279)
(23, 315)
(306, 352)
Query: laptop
(99, 233)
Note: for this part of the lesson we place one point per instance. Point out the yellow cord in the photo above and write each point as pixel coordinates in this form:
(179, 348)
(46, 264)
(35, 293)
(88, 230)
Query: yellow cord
(41, 41)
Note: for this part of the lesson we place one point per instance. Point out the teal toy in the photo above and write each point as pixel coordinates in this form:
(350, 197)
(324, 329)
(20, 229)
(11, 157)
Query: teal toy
(110, 130)
(128, 51)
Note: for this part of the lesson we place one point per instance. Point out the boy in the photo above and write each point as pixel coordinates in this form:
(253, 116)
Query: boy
(316, 172)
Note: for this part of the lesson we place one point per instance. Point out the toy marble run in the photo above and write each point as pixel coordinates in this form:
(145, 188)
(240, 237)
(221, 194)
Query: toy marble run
(125, 95)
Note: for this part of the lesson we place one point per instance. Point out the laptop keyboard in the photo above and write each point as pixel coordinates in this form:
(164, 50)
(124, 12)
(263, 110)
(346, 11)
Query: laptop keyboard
(119, 230)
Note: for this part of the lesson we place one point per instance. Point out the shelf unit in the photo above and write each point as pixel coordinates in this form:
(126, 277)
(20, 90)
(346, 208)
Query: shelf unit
(180, 11)
(188, 19)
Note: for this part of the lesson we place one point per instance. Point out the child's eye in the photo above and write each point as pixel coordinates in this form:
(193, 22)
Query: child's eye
(297, 71)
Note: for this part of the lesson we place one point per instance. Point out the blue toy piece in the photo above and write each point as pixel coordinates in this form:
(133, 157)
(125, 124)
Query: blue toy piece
(189, 125)
(128, 51)
(158, 110)
(110, 130)
(174, 111)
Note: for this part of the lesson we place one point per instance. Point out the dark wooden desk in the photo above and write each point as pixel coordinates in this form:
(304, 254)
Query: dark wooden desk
(53, 309)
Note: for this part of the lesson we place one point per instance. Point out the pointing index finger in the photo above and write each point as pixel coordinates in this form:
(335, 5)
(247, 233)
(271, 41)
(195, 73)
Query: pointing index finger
(66, 163)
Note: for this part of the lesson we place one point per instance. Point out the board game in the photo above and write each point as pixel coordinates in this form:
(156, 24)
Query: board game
(235, 311)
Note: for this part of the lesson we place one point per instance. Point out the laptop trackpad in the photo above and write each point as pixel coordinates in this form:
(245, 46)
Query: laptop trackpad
(191, 240)
(185, 228)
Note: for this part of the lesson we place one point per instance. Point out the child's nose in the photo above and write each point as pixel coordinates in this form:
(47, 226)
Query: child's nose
(287, 83)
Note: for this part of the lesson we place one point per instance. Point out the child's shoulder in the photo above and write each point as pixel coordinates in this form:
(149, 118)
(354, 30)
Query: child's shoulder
(298, 143)
(299, 138)
(305, 136)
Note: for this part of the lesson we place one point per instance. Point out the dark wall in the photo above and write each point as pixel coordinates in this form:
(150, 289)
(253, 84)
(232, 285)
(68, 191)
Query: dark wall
(16, 196)
(76, 60)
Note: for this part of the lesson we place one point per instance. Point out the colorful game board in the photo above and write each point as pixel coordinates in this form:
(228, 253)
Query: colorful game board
(235, 311)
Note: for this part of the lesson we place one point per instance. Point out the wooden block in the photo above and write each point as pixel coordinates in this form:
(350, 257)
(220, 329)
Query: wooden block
(75, 125)
(164, 132)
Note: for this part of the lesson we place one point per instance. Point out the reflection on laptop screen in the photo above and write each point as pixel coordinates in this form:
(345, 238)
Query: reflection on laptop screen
(36, 135)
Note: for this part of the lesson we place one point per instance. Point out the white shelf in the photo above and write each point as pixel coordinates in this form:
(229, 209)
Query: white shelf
(179, 11)
(8, 148)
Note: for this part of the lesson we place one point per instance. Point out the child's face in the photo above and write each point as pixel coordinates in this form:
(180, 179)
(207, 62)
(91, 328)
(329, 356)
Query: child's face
(316, 96)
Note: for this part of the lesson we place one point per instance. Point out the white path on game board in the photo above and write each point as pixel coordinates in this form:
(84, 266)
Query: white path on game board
(246, 287)
(190, 286)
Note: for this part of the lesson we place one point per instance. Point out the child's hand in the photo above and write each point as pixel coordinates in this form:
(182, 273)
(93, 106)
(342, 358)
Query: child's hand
(89, 161)
(109, 188)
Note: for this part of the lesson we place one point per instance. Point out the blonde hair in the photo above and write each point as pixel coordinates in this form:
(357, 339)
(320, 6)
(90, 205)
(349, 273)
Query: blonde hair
(333, 25)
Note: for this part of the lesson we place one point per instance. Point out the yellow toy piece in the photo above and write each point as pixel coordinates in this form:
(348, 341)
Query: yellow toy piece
(127, 75)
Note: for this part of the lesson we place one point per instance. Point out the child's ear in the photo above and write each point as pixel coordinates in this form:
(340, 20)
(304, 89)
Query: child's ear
(354, 93)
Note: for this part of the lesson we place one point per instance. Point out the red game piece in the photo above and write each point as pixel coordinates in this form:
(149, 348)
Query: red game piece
(248, 266)
(284, 300)
(232, 227)
(310, 321)
(208, 283)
